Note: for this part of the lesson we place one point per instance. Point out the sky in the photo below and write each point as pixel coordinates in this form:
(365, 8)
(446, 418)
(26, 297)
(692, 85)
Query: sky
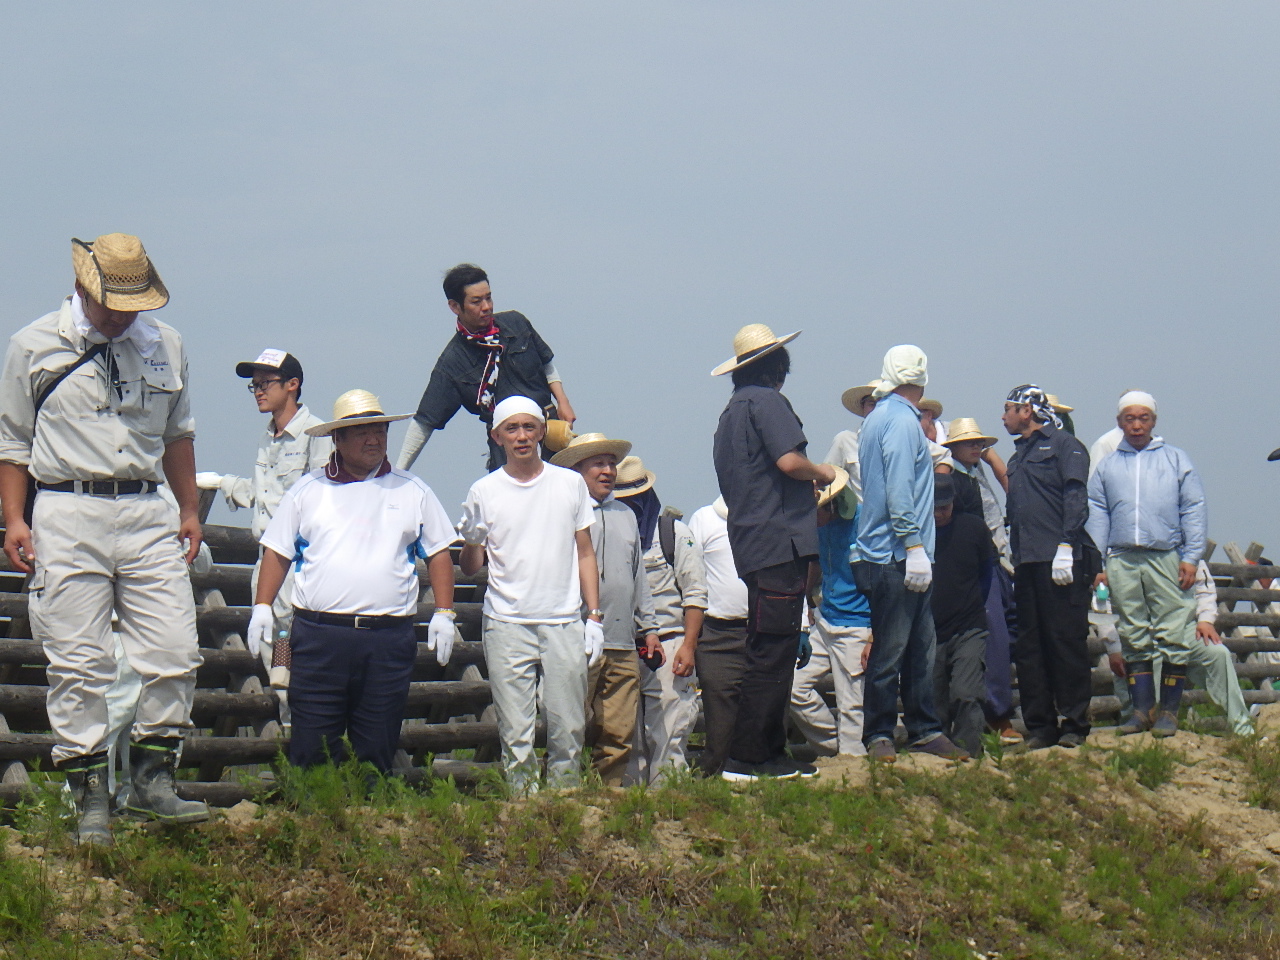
(1081, 195)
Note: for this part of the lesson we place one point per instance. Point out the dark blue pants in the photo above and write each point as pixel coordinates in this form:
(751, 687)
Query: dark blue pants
(1002, 627)
(348, 681)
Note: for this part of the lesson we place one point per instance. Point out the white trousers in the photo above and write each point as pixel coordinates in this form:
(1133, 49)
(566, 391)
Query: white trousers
(668, 713)
(95, 555)
(516, 653)
(836, 651)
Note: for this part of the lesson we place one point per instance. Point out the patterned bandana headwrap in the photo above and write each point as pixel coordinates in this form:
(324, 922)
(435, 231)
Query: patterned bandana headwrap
(1040, 406)
(488, 339)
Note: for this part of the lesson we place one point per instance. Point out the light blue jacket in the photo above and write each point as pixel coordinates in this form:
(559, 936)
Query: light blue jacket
(897, 484)
(1148, 499)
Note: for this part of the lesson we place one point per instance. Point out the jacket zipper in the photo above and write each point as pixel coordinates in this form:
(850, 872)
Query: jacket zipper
(1137, 498)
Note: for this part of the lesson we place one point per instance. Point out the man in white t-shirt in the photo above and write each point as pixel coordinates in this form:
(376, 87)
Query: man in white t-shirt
(354, 532)
(531, 520)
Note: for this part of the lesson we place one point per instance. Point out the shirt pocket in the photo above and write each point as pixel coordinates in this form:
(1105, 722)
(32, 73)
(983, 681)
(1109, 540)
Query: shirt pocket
(160, 387)
(78, 397)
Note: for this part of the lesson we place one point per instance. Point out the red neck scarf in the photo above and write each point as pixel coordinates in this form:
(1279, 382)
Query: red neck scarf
(336, 471)
(488, 340)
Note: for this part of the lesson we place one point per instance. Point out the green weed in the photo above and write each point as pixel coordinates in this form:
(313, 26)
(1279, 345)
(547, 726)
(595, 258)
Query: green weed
(1152, 765)
(1261, 758)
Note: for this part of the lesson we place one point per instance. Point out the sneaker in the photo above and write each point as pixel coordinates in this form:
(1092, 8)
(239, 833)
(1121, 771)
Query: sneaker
(735, 771)
(805, 771)
(941, 746)
(1071, 740)
(882, 750)
(1008, 735)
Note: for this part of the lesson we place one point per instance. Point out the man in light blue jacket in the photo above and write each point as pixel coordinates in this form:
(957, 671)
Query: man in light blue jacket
(1147, 513)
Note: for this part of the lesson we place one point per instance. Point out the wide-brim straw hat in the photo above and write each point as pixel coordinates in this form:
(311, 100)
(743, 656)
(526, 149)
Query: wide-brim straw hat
(354, 409)
(116, 271)
(559, 434)
(633, 479)
(966, 428)
(832, 490)
(752, 342)
(853, 397)
(590, 445)
(1058, 405)
(933, 406)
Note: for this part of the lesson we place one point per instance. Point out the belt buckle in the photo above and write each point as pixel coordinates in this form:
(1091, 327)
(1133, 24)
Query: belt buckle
(355, 622)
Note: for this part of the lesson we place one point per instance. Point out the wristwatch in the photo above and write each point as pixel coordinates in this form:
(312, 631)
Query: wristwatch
(596, 614)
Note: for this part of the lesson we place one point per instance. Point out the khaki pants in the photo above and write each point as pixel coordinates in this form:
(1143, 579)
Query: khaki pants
(668, 714)
(613, 697)
(836, 651)
(95, 555)
(1152, 610)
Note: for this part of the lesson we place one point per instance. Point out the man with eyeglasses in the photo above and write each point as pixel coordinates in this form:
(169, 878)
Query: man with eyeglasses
(285, 455)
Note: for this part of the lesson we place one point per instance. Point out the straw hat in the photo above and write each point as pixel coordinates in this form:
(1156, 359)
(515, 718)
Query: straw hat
(116, 271)
(590, 445)
(1058, 405)
(966, 428)
(353, 409)
(853, 397)
(559, 433)
(752, 342)
(933, 406)
(633, 478)
(831, 490)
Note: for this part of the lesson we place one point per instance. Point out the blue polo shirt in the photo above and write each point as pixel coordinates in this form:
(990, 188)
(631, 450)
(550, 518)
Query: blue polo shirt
(842, 604)
(897, 484)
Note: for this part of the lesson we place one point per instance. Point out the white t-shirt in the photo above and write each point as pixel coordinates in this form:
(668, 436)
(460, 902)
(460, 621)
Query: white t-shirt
(354, 545)
(726, 593)
(528, 531)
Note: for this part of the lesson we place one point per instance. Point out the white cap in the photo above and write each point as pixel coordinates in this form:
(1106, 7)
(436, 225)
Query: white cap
(1137, 398)
(512, 405)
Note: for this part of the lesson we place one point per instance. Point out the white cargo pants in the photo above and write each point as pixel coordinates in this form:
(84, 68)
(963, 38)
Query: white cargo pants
(668, 713)
(95, 555)
(836, 651)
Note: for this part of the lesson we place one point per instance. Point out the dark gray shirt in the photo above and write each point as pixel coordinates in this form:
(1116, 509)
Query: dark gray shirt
(1048, 501)
(772, 518)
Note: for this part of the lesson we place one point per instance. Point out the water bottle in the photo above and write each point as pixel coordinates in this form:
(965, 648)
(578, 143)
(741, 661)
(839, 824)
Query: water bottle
(1102, 593)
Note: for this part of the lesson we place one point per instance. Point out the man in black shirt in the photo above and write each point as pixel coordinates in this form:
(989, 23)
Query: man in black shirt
(963, 564)
(767, 483)
(1054, 564)
(489, 358)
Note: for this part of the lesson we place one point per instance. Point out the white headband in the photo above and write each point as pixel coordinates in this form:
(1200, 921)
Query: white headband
(903, 364)
(1137, 398)
(512, 405)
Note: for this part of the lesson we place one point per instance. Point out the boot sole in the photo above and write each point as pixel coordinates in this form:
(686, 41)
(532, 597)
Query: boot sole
(153, 816)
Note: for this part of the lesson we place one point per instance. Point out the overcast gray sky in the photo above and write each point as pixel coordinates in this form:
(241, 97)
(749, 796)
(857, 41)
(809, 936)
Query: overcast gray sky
(1081, 195)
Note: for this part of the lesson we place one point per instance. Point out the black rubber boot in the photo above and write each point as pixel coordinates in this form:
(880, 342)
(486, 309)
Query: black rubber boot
(154, 760)
(1172, 680)
(87, 779)
(1142, 693)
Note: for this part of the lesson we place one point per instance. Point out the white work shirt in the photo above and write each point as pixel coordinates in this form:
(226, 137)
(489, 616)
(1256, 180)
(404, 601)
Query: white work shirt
(282, 462)
(528, 530)
(726, 593)
(676, 585)
(91, 428)
(355, 545)
(844, 453)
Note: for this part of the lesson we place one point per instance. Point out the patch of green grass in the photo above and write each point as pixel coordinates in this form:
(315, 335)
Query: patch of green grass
(1261, 758)
(1152, 765)
(26, 901)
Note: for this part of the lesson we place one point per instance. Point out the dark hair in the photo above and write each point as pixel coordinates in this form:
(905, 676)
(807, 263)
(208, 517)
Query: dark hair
(769, 371)
(459, 278)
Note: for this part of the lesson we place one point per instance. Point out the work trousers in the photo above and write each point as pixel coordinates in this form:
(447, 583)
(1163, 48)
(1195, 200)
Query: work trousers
(352, 682)
(901, 657)
(516, 655)
(721, 662)
(959, 688)
(1002, 632)
(613, 700)
(837, 652)
(96, 555)
(1053, 651)
(1151, 608)
(775, 604)
(668, 713)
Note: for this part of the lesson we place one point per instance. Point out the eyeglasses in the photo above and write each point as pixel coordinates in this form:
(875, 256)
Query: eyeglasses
(261, 385)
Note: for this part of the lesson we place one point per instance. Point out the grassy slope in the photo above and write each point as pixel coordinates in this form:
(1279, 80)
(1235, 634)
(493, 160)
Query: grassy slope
(1047, 856)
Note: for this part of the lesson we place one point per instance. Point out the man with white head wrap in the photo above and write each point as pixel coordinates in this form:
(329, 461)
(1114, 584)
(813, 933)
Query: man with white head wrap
(1147, 513)
(893, 562)
(1054, 564)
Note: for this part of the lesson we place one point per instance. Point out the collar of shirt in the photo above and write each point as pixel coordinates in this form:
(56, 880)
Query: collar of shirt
(1155, 443)
(142, 331)
(915, 411)
(295, 424)
(1044, 432)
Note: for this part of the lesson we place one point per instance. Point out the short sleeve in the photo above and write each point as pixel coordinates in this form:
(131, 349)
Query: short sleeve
(1074, 461)
(440, 401)
(776, 423)
(472, 527)
(17, 409)
(181, 425)
(545, 353)
(436, 532)
(281, 534)
(584, 515)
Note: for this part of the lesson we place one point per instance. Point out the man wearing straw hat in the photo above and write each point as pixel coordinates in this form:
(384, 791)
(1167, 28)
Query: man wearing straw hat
(531, 521)
(489, 358)
(353, 532)
(859, 401)
(767, 482)
(613, 685)
(93, 406)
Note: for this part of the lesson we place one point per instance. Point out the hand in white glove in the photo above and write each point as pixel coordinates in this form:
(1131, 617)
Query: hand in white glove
(440, 635)
(1062, 573)
(208, 481)
(261, 622)
(919, 570)
(594, 645)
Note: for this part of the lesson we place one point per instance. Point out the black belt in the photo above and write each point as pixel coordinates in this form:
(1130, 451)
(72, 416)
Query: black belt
(355, 620)
(101, 488)
(726, 624)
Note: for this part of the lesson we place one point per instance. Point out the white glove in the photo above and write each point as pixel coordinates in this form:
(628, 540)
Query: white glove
(208, 481)
(919, 570)
(1062, 573)
(440, 635)
(594, 645)
(261, 623)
